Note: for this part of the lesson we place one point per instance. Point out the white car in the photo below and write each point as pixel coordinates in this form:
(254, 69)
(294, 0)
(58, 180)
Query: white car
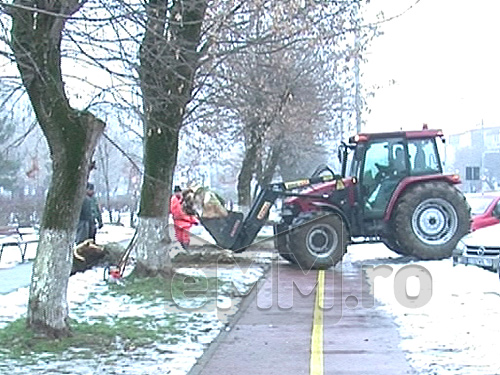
(480, 248)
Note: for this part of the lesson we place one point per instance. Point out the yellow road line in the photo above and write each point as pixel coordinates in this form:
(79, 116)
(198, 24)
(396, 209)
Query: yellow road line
(316, 365)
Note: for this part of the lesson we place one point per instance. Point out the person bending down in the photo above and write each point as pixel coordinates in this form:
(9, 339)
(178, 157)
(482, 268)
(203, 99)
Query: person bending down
(182, 221)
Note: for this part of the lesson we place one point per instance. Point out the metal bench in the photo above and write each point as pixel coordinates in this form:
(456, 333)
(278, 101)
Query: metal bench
(15, 236)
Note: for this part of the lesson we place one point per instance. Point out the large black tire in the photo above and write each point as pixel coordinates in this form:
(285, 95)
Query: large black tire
(281, 242)
(394, 245)
(318, 240)
(286, 254)
(430, 218)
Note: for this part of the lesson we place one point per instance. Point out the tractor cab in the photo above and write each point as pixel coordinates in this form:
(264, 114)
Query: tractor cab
(381, 162)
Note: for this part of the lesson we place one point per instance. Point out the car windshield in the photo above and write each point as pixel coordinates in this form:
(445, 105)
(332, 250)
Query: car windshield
(479, 205)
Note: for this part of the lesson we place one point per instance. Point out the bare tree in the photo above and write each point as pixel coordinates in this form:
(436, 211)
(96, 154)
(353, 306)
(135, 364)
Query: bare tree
(72, 135)
(267, 52)
(169, 57)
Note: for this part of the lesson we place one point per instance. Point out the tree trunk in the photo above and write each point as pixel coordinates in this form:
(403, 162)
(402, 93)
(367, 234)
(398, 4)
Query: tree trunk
(271, 163)
(47, 306)
(169, 60)
(104, 158)
(72, 137)
(248, 166)
(153, 250)
(245, 179)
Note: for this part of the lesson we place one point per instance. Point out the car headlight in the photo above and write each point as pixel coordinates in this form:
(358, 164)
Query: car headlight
(460, 248)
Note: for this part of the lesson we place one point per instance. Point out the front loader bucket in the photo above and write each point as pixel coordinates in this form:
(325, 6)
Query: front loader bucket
(233, 233)
(224, 230)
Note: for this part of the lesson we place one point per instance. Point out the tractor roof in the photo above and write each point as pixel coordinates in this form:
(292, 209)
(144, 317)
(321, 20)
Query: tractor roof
(425, 133)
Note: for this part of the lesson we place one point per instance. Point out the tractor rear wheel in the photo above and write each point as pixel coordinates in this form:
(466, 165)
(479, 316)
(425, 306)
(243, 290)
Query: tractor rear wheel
(430, 218)
(318, 240)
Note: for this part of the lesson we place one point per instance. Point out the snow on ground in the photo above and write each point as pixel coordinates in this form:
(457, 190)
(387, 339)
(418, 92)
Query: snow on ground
(11, 254)
(455, 331)
(199, 320)
(108, 233)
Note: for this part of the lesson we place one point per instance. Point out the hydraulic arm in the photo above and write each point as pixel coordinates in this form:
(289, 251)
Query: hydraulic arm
(236, 233)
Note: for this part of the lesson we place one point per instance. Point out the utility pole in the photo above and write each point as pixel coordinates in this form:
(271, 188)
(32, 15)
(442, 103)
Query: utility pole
(357, 98)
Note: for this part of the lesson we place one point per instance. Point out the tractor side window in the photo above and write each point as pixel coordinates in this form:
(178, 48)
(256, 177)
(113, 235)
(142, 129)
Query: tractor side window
(385, 166)
(376, 158)
(376, 164)
(424, 158)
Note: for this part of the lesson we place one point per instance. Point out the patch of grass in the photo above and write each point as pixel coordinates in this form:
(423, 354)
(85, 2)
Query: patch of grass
(159, 288)
(17, 342)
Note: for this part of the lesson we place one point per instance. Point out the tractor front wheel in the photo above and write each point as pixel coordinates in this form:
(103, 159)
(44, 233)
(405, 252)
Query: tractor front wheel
(430, 219)
(318, 241)
(281, 242)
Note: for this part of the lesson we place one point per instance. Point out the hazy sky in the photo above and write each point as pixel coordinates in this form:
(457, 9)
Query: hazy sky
(444, 57)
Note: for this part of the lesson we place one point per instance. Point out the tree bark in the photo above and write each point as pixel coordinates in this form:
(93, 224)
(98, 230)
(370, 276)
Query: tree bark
(253, 143)
(72, 136)
(169, 60)
(271, 163)
(152, 248)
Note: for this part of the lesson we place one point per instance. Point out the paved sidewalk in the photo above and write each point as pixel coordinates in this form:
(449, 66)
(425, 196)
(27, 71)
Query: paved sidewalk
(273, 332)
(15, 277)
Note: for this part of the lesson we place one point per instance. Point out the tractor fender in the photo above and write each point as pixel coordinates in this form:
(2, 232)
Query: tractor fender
(328, 207)
(410, 181)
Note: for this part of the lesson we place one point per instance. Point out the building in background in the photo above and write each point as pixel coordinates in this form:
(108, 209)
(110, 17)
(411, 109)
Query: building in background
(475, 155)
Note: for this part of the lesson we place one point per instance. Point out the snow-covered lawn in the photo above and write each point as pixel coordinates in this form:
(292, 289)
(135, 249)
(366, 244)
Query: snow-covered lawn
(198, 320)
(455, 332)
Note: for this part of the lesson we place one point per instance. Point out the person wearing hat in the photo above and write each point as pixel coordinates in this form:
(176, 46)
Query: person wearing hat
(177, 191)
(96, 212)
(182, 221)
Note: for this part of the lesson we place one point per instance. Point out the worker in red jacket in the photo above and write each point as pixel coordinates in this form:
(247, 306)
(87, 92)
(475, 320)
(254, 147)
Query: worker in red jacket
(182, 221)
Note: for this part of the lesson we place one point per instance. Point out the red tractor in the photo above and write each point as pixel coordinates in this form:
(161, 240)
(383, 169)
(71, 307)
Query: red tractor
(391, 189)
